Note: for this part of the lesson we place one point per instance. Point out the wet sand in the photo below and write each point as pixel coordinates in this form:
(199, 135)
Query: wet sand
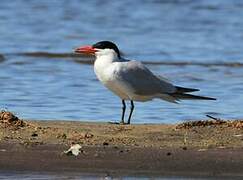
(188, 150)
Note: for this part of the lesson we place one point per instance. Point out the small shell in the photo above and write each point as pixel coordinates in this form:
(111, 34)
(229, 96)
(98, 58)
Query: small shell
(74, 150)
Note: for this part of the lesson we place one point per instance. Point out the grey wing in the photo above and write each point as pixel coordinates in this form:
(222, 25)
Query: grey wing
(142, 81)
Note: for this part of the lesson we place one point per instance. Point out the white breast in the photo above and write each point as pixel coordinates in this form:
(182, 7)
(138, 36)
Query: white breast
(105, 71)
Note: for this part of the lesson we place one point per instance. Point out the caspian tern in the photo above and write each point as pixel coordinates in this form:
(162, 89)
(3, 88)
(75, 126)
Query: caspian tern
(131, 80)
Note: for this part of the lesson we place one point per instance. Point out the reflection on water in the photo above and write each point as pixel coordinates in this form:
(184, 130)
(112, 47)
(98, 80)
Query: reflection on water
(76, 176)
(195, 44)
(1, 58)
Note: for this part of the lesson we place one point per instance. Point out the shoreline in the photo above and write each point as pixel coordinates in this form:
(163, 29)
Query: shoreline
(202, 150)
(124, 161)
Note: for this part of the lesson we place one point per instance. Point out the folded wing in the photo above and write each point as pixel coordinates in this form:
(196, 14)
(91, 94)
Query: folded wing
(142, 81)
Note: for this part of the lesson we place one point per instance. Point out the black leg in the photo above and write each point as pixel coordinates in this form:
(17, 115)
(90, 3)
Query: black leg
(123, 112)
(130, 115)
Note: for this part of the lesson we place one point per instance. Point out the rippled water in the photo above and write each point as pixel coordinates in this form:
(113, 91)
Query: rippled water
(193, 43)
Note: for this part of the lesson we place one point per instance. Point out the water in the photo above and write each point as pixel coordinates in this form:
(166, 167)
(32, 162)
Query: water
(200, 41)
(76, 176)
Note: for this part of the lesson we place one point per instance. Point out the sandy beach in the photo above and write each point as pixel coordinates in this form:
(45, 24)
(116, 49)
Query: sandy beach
(202, 148)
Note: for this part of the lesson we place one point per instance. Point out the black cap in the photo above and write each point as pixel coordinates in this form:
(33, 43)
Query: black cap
(107, 45)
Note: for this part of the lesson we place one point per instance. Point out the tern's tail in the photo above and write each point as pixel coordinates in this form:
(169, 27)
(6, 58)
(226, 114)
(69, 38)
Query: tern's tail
(182, 93)
(190, 96)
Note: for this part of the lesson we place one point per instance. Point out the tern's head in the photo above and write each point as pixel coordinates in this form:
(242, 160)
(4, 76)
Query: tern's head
(101, 48)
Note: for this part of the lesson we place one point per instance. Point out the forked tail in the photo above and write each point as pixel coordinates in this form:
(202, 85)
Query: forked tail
(190, 96)
(181, 93)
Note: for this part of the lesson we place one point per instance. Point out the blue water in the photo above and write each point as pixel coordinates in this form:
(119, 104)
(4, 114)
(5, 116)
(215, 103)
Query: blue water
(36, 86)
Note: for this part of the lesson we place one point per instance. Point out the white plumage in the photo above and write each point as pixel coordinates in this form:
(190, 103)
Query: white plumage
(131, 80)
